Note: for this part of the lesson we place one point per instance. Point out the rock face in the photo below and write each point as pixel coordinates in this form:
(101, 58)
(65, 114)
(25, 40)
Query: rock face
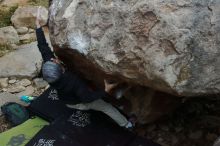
(8, 35)
(217, 142)
(147, 104)
(171, 46)
(23, 62)
(26, 16)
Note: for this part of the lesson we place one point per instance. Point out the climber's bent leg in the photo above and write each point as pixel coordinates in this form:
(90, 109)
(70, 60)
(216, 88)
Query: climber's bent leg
(108, 109)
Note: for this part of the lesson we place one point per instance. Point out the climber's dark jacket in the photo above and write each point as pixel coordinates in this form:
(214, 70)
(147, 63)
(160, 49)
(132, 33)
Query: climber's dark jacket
(70, 87)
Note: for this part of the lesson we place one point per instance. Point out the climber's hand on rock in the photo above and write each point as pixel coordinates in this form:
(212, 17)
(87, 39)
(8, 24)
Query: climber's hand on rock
(109, 86)
(37, 21)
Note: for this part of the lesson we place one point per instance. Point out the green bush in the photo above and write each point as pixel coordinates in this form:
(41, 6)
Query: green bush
(44, 3)
(5, 15)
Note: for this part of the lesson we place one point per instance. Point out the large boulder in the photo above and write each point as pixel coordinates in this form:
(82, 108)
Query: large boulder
(8, 35)
(171, 46)
(23, 62)
(26, 16)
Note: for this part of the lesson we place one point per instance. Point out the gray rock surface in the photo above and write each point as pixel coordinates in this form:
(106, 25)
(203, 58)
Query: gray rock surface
(28, 91)
(8, 35)
(3, 82)
(22, 62)
(27, 38)
(26, 16)
(13, 46)
(31, 30)
(171, 46)
(16, 89)
(40, 83)
(4, 90)
(22, 30)
(24, 82)
(12, 81)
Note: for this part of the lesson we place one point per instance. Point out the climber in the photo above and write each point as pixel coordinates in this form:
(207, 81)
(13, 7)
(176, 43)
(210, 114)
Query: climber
(71, 87)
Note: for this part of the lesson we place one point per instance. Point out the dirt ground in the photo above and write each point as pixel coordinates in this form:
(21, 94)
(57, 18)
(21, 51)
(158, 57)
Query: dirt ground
(4, 125)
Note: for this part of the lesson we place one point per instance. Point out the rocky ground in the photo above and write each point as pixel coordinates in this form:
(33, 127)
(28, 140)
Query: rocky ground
(11, 90)
(19, 57)
(195, 123)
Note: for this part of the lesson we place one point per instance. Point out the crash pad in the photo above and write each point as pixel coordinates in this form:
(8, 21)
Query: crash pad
(48, 106)
(22, 134)
(94, 128)
(79, 129)
(48, 136)
(84, 128)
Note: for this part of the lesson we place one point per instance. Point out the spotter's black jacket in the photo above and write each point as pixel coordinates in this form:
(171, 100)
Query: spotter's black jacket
(70, 86)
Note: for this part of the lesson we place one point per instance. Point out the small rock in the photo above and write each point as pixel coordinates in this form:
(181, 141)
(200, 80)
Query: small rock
(12, 81)
(22, 30)
(40, 83)
(29, 37)
(16, 89)
(196, 135)
(13, 46)
(8, 35)
(28, 91)
(47, 87)
(4, 90)
(26, 15)
(31, 30)
(24, 82)
(3, 82)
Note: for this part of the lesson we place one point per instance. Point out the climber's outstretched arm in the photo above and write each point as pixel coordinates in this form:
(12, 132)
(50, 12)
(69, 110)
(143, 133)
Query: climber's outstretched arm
(43, 46)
